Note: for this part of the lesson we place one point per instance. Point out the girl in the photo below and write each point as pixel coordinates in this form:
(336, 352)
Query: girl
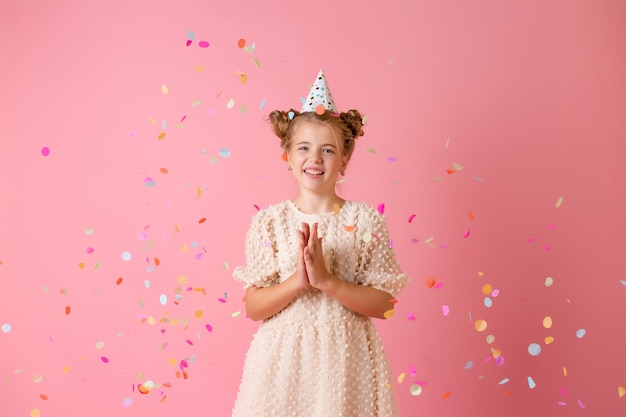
(317, 268)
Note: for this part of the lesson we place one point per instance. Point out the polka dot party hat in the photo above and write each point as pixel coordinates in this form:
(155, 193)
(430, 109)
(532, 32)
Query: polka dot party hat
(319, 98)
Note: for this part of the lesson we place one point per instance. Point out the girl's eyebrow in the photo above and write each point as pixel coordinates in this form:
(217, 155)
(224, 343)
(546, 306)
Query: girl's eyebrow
(304, 142)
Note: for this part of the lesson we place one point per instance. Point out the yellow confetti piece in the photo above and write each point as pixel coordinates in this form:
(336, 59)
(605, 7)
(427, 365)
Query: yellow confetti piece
(35, 412)
(172, 361)
(230, 104)
(164, 89)
(621, 391)
(184, 248)
(401, 377)
(225, 266)
(480, 325)
(199, 68)
(389, 313)
(559, 202)
(66, 369)
(480, 274)
(490, 339)
(256, 62)
(495, 353)
(548, 340)
(487, 289)
(182, 280)
(457, 167)
(81, 265)
(198, 192)
(161, 136)
(198, 314)
(547, 322)
(236, 314)
(367, 237)
(99, 345)
(37, 379)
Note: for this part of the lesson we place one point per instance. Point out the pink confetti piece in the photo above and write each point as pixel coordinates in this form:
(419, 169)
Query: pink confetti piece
(466, 234)
(410, 316)
(445, 310)
(580, 404)
(105, 359)
(221, 300)
(45, 151)
(189, 342)
(381, 208)
(438, 285)
(414, 241)
(546, 247)
(209, 327)
(203, 44)
(411, 217)
(89, 250)
(561, 403)
(563, 392)
(413, 372)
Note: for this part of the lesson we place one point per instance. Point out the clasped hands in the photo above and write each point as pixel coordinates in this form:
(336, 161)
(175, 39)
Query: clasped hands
(310, 266)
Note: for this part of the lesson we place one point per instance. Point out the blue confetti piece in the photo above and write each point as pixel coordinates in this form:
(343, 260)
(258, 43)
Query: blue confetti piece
(531, 383)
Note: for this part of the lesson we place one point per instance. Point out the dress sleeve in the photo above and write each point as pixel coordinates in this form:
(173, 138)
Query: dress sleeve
(378, 267)
(261, 269)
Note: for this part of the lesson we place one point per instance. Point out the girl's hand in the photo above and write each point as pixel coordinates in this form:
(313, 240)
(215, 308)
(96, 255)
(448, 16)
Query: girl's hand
(314, 261)
(301, 272)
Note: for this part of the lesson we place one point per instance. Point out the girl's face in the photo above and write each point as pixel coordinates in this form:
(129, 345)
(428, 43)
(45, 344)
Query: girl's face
(316, 157)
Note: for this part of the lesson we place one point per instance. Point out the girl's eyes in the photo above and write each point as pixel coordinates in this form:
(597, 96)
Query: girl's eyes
(306, 148)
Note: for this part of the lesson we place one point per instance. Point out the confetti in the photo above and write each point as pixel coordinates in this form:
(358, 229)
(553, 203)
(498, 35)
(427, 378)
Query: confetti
(534, 349)
(480, 325)
(549, 281)
(415, 390)
(623, 282)
(68, 310)
(547, 322)
(381, 208)
(487, 289)
(35, 412)
(163, 299)
(621, 391)
(45, 151)
(466, 234)
(580, 404)
(126, 256)
(580, 333)
(127, 402)
(488, 302)
(164, 89)
(241, 43)
(548, 340)
(445, 310)
(230, 104)
(203, 44)
(470, 215)
(446, 395)
(104, 359)
(531, 383)
(468, 365)
(411, 217)
(389, 313)
(6, 328)
(503, 381)
(367, 237)
(430, 282)
(559, 202)
(410, 315)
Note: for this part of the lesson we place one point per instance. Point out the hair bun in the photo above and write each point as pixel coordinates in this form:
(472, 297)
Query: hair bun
(354, 121)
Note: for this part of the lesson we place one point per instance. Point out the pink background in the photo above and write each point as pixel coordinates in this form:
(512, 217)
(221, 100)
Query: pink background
(494, 139)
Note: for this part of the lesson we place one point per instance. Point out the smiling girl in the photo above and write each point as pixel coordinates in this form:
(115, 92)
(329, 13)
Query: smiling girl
(317, 269)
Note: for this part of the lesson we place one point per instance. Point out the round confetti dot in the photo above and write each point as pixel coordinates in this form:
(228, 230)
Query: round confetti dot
(487, 288)
(163, 299)
(241, 43)
(127, 402)
(90, 250)
(224, 152)
(35, 412)
(430, 282)
(621, 391)
(487, 302)
(548, 340)
(6, 328)
(45, 151)
(415, 390)
(198, 314)
(534, 349)
(549, 281)
(99, 345)
(68, 310)
(367, 237)
(547, 322)
(580, 333)
(126, 256)
(480, 325)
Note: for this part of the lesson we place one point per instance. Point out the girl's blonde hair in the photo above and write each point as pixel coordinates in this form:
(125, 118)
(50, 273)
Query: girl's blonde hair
(348, 125)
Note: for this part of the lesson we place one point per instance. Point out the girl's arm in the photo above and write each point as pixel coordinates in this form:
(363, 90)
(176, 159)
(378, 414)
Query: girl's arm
(362, 299)
(264, 302)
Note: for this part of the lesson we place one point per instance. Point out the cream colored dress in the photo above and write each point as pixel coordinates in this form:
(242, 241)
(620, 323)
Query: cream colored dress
(317, 358)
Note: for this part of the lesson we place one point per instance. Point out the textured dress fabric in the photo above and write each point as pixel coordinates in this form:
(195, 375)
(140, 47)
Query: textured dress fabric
(317, 358)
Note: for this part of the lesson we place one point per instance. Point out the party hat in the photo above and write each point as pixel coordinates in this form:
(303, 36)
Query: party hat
(319, 98)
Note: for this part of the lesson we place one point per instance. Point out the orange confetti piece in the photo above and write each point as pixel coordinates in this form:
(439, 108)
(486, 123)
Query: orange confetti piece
(157, 261)
(241, 43)
(177, 227)
(81, 265)
(163, 170)
(68, 310)
(470, 215)
(446, 394)
(393, 301)
(284, 157)
(161, 135)
(319, 109)
(44, 397)
(119, 280)
(430, 282)
(202, 220)
(450, 171)
(349, 228)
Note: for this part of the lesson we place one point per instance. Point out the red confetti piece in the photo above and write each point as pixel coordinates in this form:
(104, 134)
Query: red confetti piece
(202, 220)
(411, 217)
(119, 280)
(68, 310)
(241, 43)
(43, 397)
(430, 282)
(470, 215)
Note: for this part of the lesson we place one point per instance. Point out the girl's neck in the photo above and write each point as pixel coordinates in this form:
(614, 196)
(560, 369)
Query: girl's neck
(317, 204)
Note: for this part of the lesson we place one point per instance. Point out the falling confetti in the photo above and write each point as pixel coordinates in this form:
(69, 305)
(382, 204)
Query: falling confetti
(45, 151)
(559, 202)
(580, 333)
(480, 325)
(6, 328)
(534, 349)
(531, 383)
